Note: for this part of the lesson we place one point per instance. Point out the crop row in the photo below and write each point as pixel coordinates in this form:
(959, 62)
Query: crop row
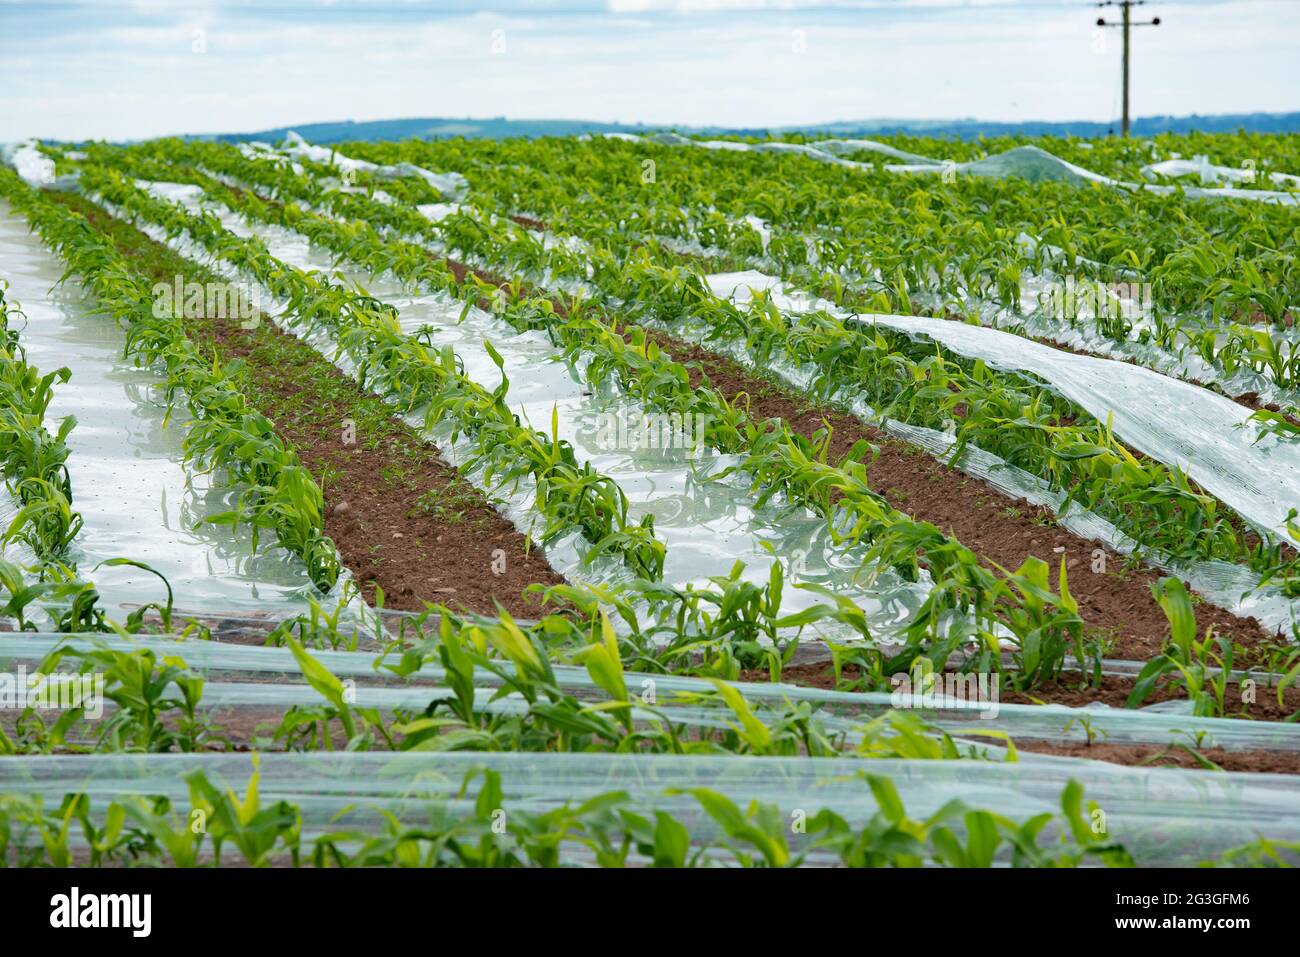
(277, 493)
(33, 461)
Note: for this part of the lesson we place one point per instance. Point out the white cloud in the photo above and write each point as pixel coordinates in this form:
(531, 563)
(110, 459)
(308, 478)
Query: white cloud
(117, 73)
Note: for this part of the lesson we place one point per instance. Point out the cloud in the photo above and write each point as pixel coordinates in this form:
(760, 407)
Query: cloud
(119, 70)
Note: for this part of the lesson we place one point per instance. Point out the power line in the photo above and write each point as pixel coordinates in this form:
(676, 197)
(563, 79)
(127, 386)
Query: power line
(1126, 6)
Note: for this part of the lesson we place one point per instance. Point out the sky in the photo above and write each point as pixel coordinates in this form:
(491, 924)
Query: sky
(118, 69)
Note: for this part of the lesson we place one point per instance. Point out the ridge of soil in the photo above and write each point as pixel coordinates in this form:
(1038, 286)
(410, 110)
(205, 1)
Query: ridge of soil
(250, 728)
(1156, 756)
(1113, 690)
(536, 225)
(402, 519)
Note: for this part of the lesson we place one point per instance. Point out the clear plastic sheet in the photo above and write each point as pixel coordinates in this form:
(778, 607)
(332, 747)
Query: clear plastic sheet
(1034, 164)
(1175, 422)
(35, 168)
(676, 139)
(1163, 817)
(1052, 723)
(841, 146)
(1207, 172)
(1078, 335)
(129, 480)
(1027, 162)
(452, 185)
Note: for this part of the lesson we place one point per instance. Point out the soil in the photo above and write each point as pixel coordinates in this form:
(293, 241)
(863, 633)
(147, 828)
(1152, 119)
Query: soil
(1113, 690)
(529, 223)
(1261, 762)
(402, 519)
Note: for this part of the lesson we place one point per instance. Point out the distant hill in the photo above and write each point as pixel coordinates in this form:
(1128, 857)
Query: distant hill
(501, 128)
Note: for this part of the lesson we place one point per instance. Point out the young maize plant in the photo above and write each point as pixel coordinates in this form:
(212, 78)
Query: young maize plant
(33, 460)
(34, 464)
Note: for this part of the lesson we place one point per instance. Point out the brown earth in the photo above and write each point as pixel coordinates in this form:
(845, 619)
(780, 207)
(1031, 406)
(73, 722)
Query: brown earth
(403, 519)
(1113, 690)
(1260, 762)
(529, 223)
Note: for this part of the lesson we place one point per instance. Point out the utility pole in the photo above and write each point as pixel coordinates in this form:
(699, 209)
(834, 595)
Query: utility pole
(1126, 5)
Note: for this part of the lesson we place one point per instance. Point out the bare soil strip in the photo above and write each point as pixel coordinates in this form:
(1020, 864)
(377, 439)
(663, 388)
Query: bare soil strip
(1112, 690)
(1260, 762)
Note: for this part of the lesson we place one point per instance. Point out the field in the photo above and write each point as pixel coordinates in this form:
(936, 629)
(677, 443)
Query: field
(651, 501)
